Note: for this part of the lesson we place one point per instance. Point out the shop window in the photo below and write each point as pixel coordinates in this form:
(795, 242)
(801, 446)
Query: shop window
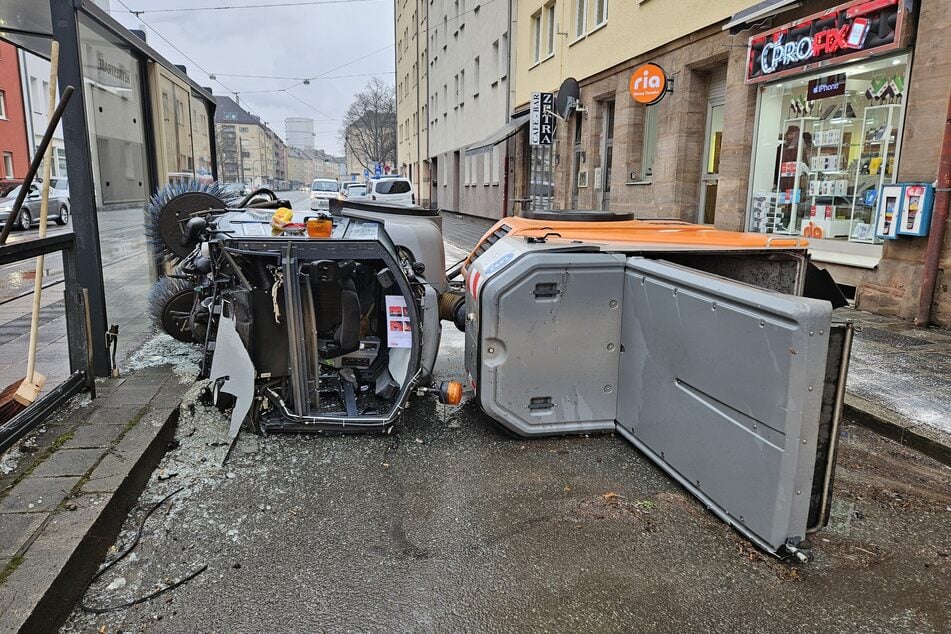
(826, 144)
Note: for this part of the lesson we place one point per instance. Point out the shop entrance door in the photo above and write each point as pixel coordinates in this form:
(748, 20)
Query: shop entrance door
(607, 154)
(710, 169)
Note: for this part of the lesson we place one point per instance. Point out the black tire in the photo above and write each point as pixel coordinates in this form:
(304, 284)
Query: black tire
(63, 216)
(24, 220)
(170, 305)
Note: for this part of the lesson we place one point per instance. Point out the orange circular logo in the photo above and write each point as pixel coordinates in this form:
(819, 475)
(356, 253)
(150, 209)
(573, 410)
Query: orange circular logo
(648, 84)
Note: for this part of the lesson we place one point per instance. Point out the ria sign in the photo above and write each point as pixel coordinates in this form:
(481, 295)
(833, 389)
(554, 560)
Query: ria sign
(648, 84)
(858, 28)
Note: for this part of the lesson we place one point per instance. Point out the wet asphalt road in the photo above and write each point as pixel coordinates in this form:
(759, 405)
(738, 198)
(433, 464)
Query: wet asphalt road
(449, 524)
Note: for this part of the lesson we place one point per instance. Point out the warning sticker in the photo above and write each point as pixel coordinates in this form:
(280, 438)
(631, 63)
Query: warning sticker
(399, 332)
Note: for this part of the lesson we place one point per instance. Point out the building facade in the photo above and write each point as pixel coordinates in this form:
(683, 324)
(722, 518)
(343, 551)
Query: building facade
(468, 101)
(779, 117)
(249, 151)
(35, 77)
(299, 132)
(14, 154)
(411, 94)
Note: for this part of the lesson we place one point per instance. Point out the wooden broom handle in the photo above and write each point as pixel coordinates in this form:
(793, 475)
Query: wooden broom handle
(44, 214)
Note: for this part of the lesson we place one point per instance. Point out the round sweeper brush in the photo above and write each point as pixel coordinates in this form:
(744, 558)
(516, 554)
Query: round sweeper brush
(172, 207)
(170, 306)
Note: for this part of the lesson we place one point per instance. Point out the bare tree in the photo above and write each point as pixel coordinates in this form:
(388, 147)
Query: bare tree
(369, 127)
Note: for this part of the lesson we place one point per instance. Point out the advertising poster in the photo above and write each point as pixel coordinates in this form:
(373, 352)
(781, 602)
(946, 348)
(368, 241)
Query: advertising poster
(399, 332)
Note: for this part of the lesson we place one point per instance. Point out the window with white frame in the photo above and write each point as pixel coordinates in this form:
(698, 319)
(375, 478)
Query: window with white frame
(475, 77)
(550, 19)
(581, 17)
(462, 87)
(496, 163)
(536, 36)
(3, 105)
(8, 164)
(486, 166)
(600, 12)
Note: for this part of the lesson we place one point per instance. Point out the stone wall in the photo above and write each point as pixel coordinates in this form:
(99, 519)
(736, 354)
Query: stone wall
(892, 289)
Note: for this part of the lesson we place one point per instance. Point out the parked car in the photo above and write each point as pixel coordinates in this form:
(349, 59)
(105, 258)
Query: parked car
(353, 191)
(30, 211)
(321, 191)
(393, 190)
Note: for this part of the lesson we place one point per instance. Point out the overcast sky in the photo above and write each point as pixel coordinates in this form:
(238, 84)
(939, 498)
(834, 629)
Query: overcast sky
(301, 41)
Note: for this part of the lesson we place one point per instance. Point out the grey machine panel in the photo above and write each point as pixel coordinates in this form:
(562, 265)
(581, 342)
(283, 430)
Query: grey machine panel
(548, 349)
(721, 385)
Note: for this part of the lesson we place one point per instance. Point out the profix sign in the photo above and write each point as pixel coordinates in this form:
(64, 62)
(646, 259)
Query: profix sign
(541, 120)
(855, 29)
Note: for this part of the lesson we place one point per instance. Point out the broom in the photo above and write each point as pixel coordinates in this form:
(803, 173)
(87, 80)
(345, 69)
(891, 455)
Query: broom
(21, 394)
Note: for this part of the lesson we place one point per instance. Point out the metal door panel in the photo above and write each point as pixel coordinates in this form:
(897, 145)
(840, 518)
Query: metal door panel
(721, 383)
(549, 343)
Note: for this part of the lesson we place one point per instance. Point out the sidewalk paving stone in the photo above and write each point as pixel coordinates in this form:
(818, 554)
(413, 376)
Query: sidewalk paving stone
(16, 529)
(93, 434)
(69, 462)
(37, 495)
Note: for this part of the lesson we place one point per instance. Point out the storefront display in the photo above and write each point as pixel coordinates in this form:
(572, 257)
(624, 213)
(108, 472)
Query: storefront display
(826, 145)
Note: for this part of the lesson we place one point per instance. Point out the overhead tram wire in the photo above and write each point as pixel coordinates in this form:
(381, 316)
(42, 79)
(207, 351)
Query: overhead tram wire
(182, 53)
(214, 78)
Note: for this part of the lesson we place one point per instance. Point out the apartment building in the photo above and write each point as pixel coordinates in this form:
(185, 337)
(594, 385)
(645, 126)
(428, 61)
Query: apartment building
(799, 139)
(35, 77)
(468, 102)
(248, 150)
(14, 155)
(411, 86)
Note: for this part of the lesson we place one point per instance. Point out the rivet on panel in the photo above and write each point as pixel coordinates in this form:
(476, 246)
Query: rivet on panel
(810, 388)
(811, 333)
(713, 306)
(613, 303)
(491, 351)
(798, 492)
(610, 346)
(804, 441)
(608, 389)
(762, 324)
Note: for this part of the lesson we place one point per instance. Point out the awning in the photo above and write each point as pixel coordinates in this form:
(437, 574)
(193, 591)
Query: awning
(510, 128)
(759, 11)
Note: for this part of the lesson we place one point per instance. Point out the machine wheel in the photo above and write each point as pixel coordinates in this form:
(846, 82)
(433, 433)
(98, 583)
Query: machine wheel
(173, 206)
(25, 220)
(63, 216)
(170, 305)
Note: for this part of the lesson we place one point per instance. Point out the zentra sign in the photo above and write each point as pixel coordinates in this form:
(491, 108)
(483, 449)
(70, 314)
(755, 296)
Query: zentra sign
(856, 29)
(541, 121)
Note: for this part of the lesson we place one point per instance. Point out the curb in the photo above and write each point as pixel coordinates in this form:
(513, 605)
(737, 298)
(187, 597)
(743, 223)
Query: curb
(893, 426)
(98, 525)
